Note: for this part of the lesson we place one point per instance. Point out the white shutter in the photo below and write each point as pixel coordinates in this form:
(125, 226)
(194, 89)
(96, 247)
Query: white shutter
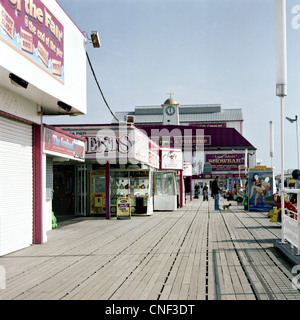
(49, 178)
(16, 190)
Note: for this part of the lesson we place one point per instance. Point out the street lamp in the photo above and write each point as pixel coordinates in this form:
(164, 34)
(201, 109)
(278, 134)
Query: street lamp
(281, 85)
(292, 121)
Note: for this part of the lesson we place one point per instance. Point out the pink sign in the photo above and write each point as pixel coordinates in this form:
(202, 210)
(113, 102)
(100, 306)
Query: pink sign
(56, 142)
(30, 28)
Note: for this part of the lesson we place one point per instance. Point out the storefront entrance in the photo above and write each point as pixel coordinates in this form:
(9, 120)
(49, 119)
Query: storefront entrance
(64, 190)
(81, 190)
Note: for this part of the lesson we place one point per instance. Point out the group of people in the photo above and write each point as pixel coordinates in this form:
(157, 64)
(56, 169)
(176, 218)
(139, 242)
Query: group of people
(215, 191)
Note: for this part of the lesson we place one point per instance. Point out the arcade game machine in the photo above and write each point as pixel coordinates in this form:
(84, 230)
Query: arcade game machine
(97, 192)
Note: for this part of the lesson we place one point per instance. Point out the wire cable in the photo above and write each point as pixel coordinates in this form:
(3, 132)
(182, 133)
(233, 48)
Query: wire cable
(99, 86)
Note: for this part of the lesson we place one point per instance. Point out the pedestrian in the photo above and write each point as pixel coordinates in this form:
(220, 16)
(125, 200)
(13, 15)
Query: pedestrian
(297, 184)
(205, 192)
(196, 191)
(215, 190)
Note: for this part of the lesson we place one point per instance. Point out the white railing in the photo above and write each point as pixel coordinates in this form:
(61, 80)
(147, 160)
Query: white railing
(291, 222)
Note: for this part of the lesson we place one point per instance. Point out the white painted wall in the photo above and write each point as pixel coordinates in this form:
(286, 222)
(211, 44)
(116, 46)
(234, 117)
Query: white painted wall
(73, 91)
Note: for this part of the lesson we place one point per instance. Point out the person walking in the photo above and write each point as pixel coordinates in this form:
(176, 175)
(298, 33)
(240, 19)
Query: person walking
(196, 196)
(205, 192)
(215, 190)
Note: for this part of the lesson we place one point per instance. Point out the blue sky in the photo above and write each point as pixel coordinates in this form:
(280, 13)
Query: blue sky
(206, 51)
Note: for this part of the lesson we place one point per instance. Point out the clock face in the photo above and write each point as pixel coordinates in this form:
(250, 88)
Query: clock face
(170, 110)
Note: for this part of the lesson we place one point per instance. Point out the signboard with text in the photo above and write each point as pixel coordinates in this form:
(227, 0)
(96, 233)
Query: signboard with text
(123, 208)
(57, 143)
(31, 29)
(119, 144)
(225, 162)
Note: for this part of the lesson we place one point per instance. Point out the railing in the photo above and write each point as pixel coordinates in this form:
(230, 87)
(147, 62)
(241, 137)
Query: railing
(291, 222)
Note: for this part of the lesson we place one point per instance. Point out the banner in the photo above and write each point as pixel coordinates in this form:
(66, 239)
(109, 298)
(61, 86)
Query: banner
(31, 29)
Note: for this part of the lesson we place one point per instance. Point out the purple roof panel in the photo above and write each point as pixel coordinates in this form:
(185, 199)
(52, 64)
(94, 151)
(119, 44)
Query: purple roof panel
(217, 137)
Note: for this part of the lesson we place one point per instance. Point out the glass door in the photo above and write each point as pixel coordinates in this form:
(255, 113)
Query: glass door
(81, 190)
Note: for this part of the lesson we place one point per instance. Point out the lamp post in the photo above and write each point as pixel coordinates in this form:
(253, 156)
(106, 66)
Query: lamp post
(281, 84)
(292, 121)
(271, 142)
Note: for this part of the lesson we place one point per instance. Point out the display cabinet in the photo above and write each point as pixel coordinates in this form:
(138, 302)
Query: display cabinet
(119, 187)
(134, 184)
(165, 191)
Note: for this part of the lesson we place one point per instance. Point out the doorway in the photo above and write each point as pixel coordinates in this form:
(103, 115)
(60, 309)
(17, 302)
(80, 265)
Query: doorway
(63, 190)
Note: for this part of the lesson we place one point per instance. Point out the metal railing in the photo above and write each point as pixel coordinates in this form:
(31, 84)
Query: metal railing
(290, 222)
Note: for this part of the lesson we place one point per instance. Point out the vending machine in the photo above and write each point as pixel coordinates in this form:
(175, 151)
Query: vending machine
(97, 192)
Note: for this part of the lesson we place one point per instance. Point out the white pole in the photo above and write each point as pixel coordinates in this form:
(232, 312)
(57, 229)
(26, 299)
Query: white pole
(282, 168)
(297, 143)
(246, 161)
(281, 70)
(271, 142)
(281, 84)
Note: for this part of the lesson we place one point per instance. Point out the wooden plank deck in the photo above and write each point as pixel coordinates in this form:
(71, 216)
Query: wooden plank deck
(194, 253)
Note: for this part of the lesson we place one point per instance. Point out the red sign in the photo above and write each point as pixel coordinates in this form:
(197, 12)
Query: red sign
(61, 144)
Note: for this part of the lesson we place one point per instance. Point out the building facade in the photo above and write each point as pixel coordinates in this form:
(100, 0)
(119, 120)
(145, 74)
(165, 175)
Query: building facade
(210, 137)
(39, 45)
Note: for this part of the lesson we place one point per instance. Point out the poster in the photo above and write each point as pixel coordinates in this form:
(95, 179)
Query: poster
(260, 186)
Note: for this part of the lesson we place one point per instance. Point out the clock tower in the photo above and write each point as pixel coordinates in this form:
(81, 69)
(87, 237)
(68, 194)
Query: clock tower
(170, 112)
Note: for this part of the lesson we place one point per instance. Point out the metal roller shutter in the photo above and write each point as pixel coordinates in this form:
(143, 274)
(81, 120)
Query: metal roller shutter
(16, 189)
(49, 178)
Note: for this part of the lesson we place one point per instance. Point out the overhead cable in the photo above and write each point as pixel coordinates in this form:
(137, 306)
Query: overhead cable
(100, 87)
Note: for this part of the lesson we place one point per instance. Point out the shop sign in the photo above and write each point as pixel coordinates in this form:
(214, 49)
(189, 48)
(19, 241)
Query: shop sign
(123, 208)
(30, 28)
(225, 162)
(171, 159)
(119, 144)
(211, 125)
(153, 154)
(185, 141)
(187, 169)
(141, 146)
(57, 143)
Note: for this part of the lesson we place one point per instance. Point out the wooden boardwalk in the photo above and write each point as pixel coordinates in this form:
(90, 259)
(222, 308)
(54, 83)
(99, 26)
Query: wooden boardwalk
(194, 253)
